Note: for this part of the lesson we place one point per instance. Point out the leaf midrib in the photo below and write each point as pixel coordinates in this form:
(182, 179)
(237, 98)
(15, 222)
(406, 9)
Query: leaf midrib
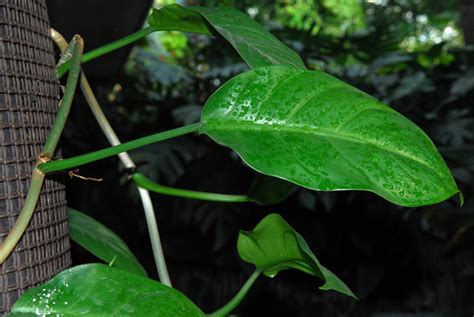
(250, 125)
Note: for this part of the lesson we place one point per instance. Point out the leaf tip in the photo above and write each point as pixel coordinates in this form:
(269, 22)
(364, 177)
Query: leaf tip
(346, 290)
(334, 283)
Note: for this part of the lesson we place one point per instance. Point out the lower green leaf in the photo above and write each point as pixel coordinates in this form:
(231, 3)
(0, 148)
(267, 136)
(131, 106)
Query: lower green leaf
(102, 242)
(101, 290)
(274, 246)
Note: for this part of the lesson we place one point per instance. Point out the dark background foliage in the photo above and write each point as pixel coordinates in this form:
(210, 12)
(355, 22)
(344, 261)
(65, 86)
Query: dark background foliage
(400, 261)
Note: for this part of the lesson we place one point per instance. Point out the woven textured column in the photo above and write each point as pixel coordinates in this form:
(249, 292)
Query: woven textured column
(28, 102)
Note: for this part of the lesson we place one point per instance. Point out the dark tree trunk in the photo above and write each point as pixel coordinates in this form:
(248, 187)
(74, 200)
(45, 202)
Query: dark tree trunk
(28, 103)
(467, 20)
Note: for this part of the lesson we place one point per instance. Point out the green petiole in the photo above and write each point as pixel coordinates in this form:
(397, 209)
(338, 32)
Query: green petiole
(235, 301)
(72, 162)
(62, 69)
(144, 182)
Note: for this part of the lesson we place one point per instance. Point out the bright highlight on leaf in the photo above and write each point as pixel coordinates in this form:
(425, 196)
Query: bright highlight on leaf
(274, 246)
(318, 132)
(100, 290)
(102, 242)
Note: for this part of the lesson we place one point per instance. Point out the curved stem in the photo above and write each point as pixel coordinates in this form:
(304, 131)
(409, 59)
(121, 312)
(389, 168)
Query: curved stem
(235, 301)
(154, 237)
(145, 182)
(62, 69)
(24, 218)
(65, 105)
(37, 177)
(128, 163)
(103, 122)
(59, 165)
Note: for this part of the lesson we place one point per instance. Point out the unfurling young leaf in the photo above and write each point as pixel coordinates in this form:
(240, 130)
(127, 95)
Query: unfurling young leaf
(318, 132)
(274, 246)
(101, 290)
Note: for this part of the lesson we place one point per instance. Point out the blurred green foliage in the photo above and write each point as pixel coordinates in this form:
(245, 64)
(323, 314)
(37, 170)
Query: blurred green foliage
(330, 17)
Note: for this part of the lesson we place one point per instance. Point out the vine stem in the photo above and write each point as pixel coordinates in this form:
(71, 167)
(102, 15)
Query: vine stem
(155, 240)
(59, 165)
(128, 163)
(237, 299)
(37, 177)
(145, 182)
(62, 69)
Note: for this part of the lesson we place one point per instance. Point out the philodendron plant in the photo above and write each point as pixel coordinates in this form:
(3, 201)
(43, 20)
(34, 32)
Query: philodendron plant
(288, 123)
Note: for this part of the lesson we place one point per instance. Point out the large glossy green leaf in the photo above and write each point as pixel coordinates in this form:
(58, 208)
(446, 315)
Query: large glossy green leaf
(100, 290)
(274, 246)
(254, 44)
(102, 242)
(316, 131)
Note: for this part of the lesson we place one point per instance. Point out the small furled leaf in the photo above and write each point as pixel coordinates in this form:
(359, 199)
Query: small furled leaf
(254, 44)
(101, 290)
(102, 242)
(266, 190)
(318, 132)
(274, 246)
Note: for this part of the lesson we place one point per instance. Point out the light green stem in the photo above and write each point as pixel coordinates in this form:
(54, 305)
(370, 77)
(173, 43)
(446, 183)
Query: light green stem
(237, 299)
(154, 237)
(62, 69)
(37, 176)
(128, 163)
(144, 194)
(145, 182)
(23, 220)
(72, 162)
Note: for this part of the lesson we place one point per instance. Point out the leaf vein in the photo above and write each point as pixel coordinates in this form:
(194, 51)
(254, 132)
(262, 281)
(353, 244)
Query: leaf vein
(249, 125)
